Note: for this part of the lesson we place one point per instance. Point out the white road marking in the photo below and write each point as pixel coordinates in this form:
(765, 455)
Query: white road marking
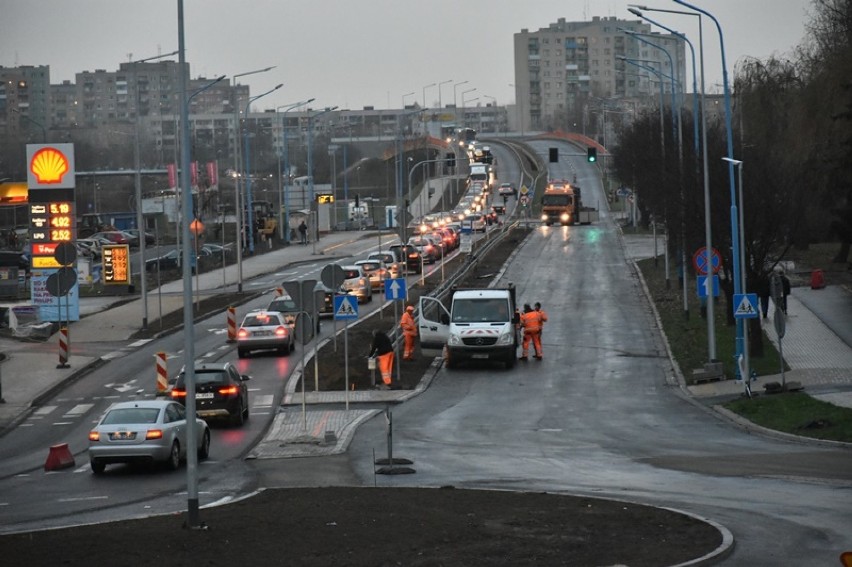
(83, 499)
(77, 410)
(264, 401)
(140, 342)
(62, 423)
(44, 410)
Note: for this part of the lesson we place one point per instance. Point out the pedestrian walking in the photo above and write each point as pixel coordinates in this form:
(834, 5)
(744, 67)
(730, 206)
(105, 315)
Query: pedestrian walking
(764, 292)
(785, 291)
(532, 323)
(382, 351)
(303, 232)
(409, 332)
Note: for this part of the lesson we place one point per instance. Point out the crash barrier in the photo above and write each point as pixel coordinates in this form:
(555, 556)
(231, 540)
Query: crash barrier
(232, 324)
(162, 374)
(59, 457)
(63, 348)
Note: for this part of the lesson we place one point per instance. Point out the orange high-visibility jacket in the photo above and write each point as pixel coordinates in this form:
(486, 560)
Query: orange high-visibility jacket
(531, 322)
(409, 327)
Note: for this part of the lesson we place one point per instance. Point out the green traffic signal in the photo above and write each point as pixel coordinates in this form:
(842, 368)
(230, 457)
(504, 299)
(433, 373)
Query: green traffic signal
(592, 155)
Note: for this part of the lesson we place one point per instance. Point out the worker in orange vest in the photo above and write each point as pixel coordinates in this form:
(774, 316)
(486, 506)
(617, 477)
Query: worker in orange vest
(532, 323)
(382, 351)
(409, 331)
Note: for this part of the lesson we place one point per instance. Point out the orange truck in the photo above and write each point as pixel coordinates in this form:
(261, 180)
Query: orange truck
(562, 203)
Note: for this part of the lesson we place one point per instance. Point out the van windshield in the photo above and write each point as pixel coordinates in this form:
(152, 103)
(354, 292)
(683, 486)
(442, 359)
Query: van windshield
(494, 310)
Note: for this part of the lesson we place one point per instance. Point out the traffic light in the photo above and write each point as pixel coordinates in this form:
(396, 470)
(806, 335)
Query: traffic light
(451, 159)
(592, 155)
(554, 155)
(357, 201)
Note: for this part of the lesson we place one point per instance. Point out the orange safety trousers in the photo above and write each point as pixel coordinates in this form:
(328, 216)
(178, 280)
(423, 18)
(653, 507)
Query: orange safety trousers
(535, 337)
(385, 364)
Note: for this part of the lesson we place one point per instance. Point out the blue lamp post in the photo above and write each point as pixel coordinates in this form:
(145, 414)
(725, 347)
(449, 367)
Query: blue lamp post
(735, 229)
(708, 233)
(249, 204)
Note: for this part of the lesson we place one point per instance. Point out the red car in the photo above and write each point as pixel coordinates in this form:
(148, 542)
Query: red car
(114, 236)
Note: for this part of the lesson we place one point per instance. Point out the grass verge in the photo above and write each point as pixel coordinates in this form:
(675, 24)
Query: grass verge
(794, 413)
(797, 413)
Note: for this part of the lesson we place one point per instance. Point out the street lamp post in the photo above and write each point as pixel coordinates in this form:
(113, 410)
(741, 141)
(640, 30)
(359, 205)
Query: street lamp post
(283, 191)
(238, 199)
(249, 203)
(193, 520)
(31, 121)
(312, 201)
(735, 240)
(405, 96)
(464, 103)
(137, 186)
(440, 104)
(708, 233)
(455, 103)
(424, 92)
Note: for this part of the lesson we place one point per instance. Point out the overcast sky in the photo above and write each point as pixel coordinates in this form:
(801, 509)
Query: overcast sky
(356, 53)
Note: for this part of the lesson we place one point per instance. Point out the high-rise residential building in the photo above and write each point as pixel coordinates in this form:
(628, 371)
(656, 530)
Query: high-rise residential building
(563, 69)
(25, 102)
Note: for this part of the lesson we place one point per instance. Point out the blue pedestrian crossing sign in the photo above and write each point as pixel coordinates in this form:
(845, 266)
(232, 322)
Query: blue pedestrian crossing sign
(345, 307)
(745, 306)
(395, 289)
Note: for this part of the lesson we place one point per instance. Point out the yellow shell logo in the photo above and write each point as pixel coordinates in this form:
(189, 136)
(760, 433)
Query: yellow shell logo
(49, 165)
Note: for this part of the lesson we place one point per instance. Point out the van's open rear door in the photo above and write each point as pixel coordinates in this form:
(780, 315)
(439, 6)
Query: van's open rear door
(433, 324)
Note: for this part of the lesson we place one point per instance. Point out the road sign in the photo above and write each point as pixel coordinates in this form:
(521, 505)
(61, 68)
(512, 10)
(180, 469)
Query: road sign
(745, 306)
(623, 192)
(780, 323)
(524, 189)
(699, 261)
(707, 284)
(395, 289)
(345, 307)
(332, 276)
(524, 200)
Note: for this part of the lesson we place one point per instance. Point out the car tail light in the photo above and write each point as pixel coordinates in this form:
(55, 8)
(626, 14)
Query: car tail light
(229, 391)
(281, 332)
(178, 393)
(412, 255)
(154, 434)
(94, 436)
(242, 333)
(361, 282)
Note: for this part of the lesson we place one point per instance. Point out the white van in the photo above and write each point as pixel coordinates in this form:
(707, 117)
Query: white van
(481, 324)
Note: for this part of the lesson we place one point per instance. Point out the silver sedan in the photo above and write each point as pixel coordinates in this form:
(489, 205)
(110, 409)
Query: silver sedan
(144, 431)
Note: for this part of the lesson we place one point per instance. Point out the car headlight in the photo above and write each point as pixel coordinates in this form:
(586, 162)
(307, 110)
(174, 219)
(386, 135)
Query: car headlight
(544, 217)
(564, 216)
(506, 339)
(454, 340)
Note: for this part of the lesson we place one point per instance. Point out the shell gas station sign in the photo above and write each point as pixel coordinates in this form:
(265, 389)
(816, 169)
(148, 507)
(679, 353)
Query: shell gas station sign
(51, 182)
(50, 166)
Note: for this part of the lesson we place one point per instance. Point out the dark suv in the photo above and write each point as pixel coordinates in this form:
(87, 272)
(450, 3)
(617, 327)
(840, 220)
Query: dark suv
(409, 256)
(220, 392)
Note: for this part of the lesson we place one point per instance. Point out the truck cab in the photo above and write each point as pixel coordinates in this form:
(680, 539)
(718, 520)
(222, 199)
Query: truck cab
(481, 324)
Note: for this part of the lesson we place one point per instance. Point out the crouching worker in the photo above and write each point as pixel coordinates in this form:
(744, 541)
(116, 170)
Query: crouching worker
(382, 350)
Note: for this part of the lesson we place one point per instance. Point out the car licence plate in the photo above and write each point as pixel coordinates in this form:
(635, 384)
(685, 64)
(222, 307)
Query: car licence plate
(479, 356)
(122, 436)
(204, 396)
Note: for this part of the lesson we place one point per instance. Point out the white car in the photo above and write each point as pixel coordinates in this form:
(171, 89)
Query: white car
(376, 271)
(390, 262)
(144, 431)
(357, 283)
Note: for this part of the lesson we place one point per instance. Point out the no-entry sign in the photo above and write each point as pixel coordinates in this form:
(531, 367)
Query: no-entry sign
(699, 261)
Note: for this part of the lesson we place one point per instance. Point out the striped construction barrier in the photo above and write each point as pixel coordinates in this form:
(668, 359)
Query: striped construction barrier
(63, 348)
(232, 325)
(279, 291)
(162, 374)
(59, 457)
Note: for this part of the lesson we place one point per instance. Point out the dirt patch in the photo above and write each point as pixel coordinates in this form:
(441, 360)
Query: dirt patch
(376, 526)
